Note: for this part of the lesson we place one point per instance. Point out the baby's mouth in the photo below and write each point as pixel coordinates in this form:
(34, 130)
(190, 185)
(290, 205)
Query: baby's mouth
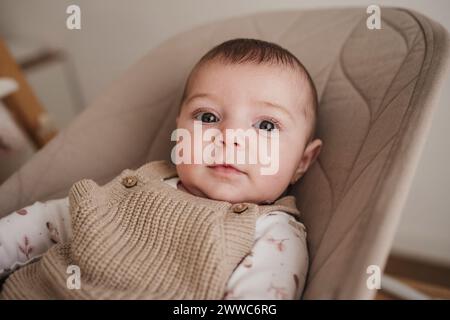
(226, 169)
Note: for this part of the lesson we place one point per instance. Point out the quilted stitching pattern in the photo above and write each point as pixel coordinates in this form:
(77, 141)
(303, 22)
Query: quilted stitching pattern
(368, 128)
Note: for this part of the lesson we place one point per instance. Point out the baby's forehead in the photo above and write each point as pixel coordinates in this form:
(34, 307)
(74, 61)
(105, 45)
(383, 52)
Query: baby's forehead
(303, 89)
(295, 74)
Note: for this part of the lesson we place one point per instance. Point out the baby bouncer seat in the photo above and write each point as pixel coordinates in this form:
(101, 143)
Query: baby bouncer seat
(376, 90)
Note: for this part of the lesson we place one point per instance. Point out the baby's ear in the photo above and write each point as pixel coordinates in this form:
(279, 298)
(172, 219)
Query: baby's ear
(310, 155)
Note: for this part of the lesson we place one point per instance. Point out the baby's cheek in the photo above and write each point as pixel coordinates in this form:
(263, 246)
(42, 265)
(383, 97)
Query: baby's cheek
(270, 187)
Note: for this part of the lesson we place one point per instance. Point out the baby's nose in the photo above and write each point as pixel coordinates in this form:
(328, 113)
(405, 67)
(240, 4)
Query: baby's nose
(226, 141)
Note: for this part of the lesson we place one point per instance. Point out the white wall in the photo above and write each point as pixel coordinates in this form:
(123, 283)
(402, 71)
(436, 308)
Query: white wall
(115, 33)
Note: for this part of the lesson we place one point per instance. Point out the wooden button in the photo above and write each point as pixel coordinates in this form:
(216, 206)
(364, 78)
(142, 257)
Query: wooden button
(239, 207)
(129, 181)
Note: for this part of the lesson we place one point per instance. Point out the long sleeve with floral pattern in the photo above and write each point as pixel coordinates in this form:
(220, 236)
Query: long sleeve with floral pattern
(29, 232)
(276, 267)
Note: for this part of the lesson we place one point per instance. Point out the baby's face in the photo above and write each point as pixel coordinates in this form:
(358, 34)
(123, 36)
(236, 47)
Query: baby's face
(247, 96)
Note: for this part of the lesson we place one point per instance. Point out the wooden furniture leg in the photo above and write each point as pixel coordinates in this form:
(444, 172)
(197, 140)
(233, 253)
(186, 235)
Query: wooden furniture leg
(23, 104)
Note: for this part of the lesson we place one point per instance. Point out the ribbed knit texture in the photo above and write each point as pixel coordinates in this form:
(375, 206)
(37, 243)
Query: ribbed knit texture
(149, 241)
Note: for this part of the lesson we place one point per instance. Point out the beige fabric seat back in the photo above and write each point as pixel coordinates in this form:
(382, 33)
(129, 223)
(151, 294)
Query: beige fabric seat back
(376, 90)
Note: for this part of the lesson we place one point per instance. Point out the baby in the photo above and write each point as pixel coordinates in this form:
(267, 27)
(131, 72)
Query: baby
(215, 230)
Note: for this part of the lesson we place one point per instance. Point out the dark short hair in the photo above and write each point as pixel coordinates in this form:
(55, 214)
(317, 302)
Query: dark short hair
(244, 50)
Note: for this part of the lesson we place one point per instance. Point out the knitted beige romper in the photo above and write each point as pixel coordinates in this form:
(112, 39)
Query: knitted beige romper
(138, 238)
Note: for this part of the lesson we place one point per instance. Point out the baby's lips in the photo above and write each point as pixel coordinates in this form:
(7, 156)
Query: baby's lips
(228, 166)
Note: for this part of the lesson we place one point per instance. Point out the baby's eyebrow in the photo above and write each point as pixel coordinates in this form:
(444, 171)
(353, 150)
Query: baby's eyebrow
(200, 95)
(277, 107)
(260, 102)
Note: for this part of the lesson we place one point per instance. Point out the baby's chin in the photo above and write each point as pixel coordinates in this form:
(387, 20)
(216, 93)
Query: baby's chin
(234, 189)
(231, 194)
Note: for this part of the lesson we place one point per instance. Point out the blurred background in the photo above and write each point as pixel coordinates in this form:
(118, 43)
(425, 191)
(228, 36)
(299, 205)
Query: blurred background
(66, 69)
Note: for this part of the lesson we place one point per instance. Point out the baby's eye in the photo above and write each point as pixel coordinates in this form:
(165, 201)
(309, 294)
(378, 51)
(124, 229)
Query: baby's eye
(265, 125)
(207, 117)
